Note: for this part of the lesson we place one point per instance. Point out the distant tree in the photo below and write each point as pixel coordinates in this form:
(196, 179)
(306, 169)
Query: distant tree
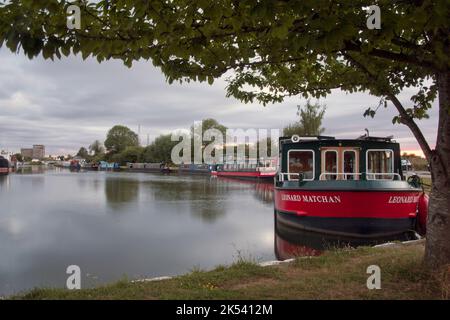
(206, 124)
(97, 158)
(160, 149)
(119, 138)
(131, 154)
(96, 148)
(18, 157)
(310, 122)
(83, 153)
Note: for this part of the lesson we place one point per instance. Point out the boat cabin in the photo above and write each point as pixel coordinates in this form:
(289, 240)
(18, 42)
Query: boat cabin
(347, 187)
(326, 158)
(250, 164)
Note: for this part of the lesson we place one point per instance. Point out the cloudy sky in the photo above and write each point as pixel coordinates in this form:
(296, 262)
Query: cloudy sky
(70, 103)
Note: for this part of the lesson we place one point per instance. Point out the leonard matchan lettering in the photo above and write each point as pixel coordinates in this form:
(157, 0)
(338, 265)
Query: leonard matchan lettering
(310, 198)
(404, 199)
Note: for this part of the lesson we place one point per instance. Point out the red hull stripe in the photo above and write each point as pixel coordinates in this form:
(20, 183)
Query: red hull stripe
(254, 174)
(348, 204)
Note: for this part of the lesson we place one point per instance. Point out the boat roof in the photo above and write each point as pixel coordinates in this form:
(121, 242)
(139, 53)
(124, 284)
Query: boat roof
(367, 138)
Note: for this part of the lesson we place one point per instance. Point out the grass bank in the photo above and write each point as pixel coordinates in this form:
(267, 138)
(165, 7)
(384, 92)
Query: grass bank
(338, 274)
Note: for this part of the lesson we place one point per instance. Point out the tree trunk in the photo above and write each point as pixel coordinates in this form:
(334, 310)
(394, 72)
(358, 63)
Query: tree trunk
(437, 252)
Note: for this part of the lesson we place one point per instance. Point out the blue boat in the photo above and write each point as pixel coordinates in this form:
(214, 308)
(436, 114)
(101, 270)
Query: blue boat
(108, 165)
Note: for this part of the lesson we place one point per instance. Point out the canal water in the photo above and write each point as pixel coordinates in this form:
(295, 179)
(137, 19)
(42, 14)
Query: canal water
(126, 226)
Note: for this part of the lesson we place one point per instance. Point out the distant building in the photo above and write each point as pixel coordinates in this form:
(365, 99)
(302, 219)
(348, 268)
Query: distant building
(27, 152)
(37, 152)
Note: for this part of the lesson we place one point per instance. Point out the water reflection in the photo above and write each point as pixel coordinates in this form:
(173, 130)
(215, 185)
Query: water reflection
(169, 225)
(263, 191)
(120, 191)
(165, 225)
(209, 213)
(31, 169)
(3, 181)
(201, 197)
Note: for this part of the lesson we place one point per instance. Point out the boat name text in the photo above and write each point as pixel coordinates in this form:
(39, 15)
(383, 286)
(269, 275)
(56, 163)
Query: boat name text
(313, 199)
(400, 199)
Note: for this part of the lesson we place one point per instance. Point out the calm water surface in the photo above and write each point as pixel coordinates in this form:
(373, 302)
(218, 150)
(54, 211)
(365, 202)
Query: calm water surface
(116, 225)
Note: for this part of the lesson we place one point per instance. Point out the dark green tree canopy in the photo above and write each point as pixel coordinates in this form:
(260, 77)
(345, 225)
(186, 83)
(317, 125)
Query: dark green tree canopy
(160, 149)
(96, 148)
(83, 153)
(18, 157)
(131, 154)
(120, 137)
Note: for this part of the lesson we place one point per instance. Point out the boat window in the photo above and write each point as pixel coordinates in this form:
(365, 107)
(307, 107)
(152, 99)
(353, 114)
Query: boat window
(380, 164)
(350, 165)
(331, 165)
(301, 161)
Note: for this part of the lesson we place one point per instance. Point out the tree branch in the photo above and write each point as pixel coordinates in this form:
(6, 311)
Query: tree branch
(405, 118)
(400, 57)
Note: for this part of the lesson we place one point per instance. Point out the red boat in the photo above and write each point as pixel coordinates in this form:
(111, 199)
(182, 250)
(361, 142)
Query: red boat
(262, 170)
(351, 188)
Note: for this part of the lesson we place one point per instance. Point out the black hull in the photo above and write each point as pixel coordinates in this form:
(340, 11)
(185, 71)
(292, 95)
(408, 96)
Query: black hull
(361, 228)
(254, 179)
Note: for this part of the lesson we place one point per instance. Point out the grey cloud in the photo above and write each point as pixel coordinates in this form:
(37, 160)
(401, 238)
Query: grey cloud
(69, 103)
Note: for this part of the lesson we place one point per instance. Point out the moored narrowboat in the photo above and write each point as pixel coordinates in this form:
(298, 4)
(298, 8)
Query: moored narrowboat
(4, 166)
(347, 187)
(92, 166)
(75, 165)
(157, 167)
(261, 170)
(107, 166)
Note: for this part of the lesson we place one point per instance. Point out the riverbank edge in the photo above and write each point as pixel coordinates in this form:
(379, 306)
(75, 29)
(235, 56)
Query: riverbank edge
(337, 274)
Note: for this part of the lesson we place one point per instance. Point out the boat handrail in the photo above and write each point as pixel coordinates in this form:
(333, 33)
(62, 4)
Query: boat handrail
(393, 174)
(288, 174)
(266, 169)
(282, 175)
(345, 174)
